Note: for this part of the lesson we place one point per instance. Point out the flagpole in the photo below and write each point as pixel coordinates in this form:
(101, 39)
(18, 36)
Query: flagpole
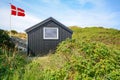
(10, 26)
(10, 23)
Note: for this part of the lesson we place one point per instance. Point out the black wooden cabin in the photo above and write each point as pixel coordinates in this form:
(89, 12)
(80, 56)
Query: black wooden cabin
(45, 36)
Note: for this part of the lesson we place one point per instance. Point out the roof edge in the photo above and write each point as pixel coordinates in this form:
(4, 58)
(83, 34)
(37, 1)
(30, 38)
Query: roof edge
(44, 21)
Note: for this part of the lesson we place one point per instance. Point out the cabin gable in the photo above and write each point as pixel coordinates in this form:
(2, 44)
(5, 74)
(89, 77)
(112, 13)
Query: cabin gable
(37, 45)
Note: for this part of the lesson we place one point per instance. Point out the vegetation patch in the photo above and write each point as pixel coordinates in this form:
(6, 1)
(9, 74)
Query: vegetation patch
(91, 54)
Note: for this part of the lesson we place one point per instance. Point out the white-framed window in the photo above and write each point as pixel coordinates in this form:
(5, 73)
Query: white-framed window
(50, 33)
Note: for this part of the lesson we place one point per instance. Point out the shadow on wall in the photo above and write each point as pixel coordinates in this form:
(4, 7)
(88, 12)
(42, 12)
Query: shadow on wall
(32, 54)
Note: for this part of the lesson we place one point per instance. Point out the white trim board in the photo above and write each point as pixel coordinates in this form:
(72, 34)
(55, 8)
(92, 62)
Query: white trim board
(44, 34)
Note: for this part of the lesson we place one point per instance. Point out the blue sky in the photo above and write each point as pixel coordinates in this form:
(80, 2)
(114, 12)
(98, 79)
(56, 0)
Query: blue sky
(83, 13)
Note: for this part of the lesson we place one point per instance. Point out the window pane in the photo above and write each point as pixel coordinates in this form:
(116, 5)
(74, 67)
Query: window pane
(51, 33)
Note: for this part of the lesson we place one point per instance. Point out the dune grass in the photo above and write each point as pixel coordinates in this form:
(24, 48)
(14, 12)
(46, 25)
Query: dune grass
(91, 54)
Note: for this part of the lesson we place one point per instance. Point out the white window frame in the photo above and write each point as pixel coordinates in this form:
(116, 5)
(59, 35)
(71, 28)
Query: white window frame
(50, 37)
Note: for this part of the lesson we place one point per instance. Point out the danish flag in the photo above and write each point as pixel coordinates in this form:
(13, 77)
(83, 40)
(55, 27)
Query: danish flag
(17, 11)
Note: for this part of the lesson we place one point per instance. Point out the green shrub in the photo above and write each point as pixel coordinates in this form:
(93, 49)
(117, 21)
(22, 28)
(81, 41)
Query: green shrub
(9, 63)
(5, 41)
(91, 60)
(76, 60)
(92, 54)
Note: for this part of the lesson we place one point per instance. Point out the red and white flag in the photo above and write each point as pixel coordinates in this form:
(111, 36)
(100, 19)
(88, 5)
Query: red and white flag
(17, 11)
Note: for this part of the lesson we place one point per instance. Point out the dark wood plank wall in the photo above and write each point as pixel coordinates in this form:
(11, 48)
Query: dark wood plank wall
(38, 45)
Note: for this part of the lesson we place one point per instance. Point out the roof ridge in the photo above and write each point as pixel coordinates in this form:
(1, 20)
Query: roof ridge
(46, 20)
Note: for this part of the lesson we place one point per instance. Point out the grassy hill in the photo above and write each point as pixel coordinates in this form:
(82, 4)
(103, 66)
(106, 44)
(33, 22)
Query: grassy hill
(92, 54)
(109, 37)
(20, 35)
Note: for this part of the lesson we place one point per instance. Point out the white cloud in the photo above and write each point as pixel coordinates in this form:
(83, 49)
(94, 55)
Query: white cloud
(95, 2)
(17, 23)
(51, 1)
(97, 16)
(84, 19)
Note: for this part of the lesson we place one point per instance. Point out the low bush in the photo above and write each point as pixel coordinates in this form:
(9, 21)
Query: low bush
(5, 41)
(76, 60)
(92, 54)
(9, 63)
